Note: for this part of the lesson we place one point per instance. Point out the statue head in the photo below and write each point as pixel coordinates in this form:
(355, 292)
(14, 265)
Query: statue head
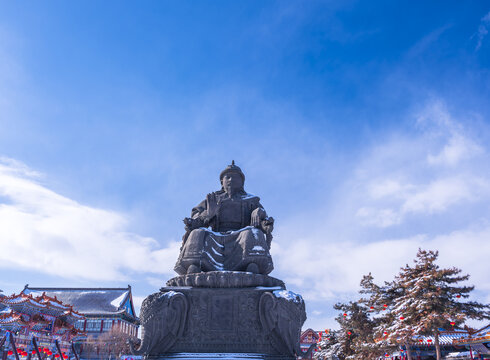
(232, 178)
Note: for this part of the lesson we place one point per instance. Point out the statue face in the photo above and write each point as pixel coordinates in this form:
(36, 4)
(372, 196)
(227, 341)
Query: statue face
(232, 182)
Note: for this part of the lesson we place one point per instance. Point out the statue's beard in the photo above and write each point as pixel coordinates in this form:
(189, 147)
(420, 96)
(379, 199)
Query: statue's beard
(231, 190)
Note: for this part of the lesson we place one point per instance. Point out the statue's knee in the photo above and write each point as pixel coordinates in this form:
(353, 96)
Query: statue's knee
(197, 233)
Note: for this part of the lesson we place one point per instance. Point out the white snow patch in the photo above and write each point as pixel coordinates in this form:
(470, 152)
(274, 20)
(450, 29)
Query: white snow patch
(255, 232)
(288, 295)
(168, 294)
(218, 265)
(248, 196)
(269, 288)
(212, 238)
(258, 248)
(118, 301)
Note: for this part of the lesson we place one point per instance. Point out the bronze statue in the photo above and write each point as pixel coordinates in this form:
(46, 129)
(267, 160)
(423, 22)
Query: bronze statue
(229, 230)
(224, 301)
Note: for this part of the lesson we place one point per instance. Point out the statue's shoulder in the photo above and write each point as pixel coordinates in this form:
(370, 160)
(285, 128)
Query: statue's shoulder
(215, 195)
(250, 197)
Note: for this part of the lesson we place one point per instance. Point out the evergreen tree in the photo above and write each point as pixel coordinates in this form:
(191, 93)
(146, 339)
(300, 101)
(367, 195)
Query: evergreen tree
(329, 348)
(420, 300)
(354, 339)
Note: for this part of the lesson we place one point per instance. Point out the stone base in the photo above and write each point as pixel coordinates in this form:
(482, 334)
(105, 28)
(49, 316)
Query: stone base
(222, 356)
(222, 321)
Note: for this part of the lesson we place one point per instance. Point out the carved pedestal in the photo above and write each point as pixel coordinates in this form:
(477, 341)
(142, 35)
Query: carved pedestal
(219, 313)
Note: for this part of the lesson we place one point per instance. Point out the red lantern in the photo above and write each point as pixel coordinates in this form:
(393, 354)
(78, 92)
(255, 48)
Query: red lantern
(10, 352)
(458, 296)
(50, 353)
(385, 332)
(19, 350)
(429, 340)
(33, 352)
(452, 323)
(24, 353)
(385, 305)
(57, 356)
(420, 340)
(402, 318)
(349, 333)
(372, 308)
(345, 314)
(65, 356)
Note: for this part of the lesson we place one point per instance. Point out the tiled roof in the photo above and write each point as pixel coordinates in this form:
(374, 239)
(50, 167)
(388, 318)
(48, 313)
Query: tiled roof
(482, 335)
(445, 338)
(87, 301)
(12, 318)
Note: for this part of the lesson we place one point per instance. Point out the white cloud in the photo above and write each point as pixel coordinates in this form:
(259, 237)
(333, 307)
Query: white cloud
(482, 30)
(441, 168)
(428, 189)
(46, 232)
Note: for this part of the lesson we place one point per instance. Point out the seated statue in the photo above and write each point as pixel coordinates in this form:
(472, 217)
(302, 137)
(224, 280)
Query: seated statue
(229, 230)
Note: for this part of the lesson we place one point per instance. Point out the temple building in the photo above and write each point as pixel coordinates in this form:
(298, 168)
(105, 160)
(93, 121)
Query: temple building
(478, 342)
(104, 309)
(307, 338)
(43, 317)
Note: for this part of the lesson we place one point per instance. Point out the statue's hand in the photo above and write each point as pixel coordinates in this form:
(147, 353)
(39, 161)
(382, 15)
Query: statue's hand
(267, 225)
(257, 216)
(191, 224)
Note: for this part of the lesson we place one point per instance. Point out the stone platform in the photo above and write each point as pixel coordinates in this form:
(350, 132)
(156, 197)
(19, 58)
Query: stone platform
(222, 356)
(222, 318)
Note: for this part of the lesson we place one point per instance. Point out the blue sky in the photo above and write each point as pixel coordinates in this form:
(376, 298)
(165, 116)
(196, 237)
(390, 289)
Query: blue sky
(363, 126)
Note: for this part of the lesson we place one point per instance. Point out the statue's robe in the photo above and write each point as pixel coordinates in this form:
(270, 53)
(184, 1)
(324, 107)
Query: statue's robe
(231, 243)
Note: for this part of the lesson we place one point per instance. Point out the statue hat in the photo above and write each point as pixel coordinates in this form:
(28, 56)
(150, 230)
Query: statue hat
(232, 168)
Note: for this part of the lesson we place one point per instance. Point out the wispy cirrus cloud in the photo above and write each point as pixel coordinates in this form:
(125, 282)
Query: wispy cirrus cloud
(441, 169)
(482, 30)
(67, 238)
(428, 189)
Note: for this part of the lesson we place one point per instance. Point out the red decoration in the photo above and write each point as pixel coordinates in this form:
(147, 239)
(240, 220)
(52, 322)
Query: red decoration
(385, 305)
(458, 296)
(402, 318)
(33, 352)
(452, 323)
(19, 350)
(65, 356)
(10, 352)
(349, 333)
(372, 307)
(420, 340)
(429, 340)
(385, 332)
(345, 314)
(57, 356)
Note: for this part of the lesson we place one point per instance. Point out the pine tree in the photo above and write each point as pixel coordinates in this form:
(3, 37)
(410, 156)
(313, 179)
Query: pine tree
(354, 339)
(329, 348)
(420, 300)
